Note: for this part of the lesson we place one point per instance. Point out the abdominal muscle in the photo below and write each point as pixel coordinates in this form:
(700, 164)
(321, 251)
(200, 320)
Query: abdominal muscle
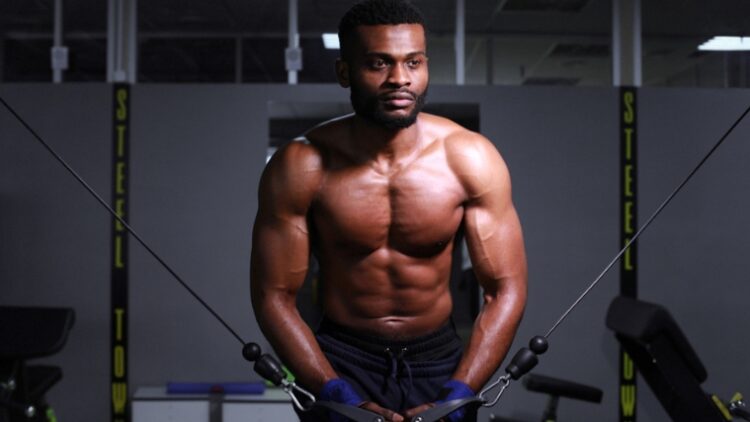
(386, 293)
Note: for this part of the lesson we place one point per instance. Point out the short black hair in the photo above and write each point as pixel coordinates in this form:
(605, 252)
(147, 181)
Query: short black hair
(375, 12)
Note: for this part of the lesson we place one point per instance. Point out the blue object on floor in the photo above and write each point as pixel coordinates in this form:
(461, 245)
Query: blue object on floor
(257, 387)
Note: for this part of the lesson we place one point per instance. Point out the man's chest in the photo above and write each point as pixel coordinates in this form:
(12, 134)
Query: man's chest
(415, 211)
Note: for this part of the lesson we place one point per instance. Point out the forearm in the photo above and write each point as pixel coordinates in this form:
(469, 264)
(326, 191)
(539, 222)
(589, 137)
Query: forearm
(492, 335)
(293, 340)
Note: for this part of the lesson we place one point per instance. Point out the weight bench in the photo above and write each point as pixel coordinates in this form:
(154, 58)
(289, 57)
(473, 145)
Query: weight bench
(556, 388)
(28, 333)
(664, 356)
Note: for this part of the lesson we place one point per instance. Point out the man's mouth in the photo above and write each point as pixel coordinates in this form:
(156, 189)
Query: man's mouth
(398, 99)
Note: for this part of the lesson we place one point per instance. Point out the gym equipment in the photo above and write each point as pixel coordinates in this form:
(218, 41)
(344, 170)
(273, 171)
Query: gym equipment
(527, 358)
(556, 388)
(27, 333)
(668, 363)
(522, 362)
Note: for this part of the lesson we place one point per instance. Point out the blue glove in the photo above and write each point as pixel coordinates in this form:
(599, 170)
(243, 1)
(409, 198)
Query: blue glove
(453, 390)
(339, 391)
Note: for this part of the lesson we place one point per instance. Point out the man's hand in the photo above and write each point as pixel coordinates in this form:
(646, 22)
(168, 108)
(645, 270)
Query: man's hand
(414, 411)
(451, 390)
(389, 415)
(340, 391)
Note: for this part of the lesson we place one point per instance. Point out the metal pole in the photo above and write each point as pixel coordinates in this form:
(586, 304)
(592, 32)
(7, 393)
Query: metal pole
(626, 43)
(58, 55)
(293, 53)
(132, 46)
(122, 40)
(115, 43)
(119, 39)
(111, 44)
(460, 42)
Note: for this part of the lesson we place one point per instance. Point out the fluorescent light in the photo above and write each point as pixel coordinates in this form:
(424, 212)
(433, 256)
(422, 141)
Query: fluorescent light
(726, 44)
(331, 41)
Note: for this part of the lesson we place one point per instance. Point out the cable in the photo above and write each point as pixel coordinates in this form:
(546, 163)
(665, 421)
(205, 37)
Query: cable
(122, 221)
(648, 222)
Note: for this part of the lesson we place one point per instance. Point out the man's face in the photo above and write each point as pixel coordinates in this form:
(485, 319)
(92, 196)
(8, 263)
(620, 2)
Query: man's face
(387, 73)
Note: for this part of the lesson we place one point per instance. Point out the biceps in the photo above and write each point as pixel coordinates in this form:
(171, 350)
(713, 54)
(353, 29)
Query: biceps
(495, 244)
(280, 254)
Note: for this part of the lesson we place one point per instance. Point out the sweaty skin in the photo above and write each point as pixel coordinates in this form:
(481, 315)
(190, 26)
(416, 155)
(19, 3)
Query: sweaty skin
(380, 209)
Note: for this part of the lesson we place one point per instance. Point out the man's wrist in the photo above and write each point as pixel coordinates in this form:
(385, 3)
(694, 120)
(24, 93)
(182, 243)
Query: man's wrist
(340, 391)
(454, 389)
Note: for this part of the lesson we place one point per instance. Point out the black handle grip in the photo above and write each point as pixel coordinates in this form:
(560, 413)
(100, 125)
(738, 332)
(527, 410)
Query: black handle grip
(438, 412)
(352, 412)
(269, 368)
(526, 359)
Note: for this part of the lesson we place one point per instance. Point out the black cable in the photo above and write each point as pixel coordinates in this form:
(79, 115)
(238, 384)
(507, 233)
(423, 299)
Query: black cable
(541, 341)
(647, 223)
(122, 221)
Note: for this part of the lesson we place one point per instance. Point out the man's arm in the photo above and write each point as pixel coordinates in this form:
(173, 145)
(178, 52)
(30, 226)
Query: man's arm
(279, 263)
(495, 243)
(280, 257)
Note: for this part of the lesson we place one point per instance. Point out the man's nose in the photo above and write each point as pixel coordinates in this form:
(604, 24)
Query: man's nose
(399, 75)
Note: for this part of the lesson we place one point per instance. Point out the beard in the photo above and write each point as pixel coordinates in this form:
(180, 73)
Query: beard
(370, 108)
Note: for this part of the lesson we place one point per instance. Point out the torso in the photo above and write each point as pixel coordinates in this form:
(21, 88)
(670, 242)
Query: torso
(384, 238)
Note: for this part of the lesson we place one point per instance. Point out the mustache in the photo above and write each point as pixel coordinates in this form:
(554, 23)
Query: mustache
(401, 93)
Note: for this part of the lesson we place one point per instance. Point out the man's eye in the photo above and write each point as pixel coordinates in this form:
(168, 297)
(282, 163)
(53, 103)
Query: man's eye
(414, 63)
(377, 64)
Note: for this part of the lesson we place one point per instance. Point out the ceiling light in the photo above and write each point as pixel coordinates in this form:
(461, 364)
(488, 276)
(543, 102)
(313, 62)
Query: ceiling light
(726, 44)
(331, 41)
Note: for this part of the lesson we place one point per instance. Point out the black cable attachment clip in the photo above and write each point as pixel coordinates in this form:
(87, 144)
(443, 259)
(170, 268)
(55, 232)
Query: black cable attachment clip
(523, 361)
(526, 358)
(269, 368)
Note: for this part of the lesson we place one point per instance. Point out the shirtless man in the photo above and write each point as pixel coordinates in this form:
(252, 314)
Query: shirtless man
(378, 197)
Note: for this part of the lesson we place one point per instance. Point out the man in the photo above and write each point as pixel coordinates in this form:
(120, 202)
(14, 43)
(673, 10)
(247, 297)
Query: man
(378, 197)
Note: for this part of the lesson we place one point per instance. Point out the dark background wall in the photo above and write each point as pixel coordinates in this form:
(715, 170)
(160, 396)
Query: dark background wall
(54, 240)
(196, 157)
(695, 259)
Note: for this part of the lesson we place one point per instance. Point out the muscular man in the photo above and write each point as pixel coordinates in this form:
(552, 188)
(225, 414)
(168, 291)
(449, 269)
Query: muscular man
(378, 197)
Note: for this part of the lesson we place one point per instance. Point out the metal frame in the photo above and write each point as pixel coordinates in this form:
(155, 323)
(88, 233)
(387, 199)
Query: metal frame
(122, 41)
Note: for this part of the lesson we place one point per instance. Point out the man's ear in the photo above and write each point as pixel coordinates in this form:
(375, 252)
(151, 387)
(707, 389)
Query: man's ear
(342, 73)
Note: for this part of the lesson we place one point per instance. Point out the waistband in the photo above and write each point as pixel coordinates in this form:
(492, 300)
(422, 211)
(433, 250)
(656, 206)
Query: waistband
(428, 343)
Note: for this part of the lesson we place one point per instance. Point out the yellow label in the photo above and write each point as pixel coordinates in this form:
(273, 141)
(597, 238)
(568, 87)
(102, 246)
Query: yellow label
(629, 99)
(120, 179)
(628, 369)
(627, 399)
(121, 140)
(122, 108)
(119, 313)
(119, 397)
(627, 260)
(119, 263)
(120, 210)
(629, 143)
(118, 361)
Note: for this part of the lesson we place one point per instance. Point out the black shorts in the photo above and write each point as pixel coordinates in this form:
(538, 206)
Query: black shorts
(397, 375)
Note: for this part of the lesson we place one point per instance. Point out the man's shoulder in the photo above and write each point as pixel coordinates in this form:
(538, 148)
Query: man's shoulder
(326, 135)
(446, 129)
(293, 173)
(460, 143)
(473, 158)
(299, 154)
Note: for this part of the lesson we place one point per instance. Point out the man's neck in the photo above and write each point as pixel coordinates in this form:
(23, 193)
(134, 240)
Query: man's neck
(383, 146)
